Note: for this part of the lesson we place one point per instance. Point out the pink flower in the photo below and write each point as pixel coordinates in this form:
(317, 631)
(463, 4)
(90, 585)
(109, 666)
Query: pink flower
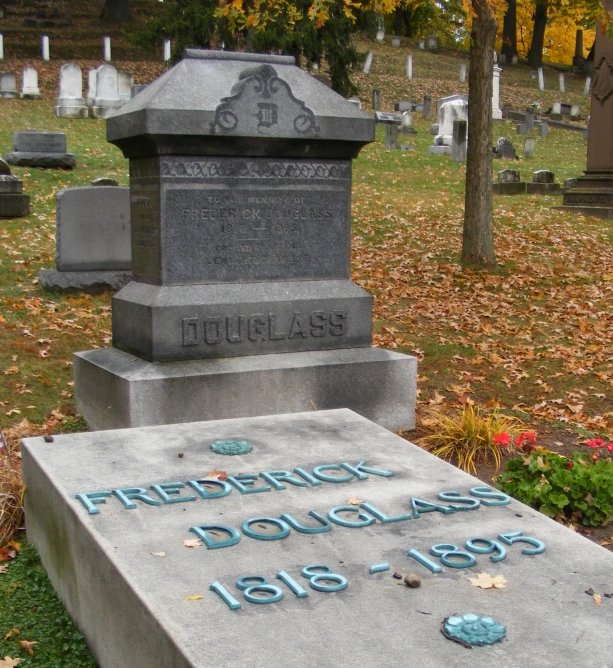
(503, 439)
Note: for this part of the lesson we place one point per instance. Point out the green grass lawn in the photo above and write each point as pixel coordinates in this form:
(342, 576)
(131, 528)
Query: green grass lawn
(534, 334)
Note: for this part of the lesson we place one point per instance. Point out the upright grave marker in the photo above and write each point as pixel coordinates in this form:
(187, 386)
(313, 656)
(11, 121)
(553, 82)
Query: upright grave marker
(240, 180)
(29, 84)
(70, 102)
(107, 98)
(8, 85)
(13, 203)
(293, 553)
(40, 149)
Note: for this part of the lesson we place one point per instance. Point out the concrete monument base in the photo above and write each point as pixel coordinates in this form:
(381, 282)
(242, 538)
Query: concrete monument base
(109, 514)
(87, 281)
(70, 108)
(439, 150)
(39, 159)
(512, 188)
(114, 390)
(543, 188)
(591, 196)
(14, 205)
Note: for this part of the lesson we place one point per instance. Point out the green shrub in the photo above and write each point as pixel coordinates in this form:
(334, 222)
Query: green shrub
(579, 489)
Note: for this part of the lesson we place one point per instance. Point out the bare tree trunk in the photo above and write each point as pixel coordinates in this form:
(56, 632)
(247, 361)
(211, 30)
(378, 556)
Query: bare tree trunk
(478, 236)
(509, 30)
(535, 55)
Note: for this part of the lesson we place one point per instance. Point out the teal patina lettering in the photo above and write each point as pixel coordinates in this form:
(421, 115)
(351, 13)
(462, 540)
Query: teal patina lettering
(91, 498)
(489, 497)
(359, 470)
(280, 524)
(165, 489)
(274, 478)
(382, 517)
(419, 506)
(127, 493)
(307, 476)
(471, 504)
(211, 543)
(326, 526)
(244, 481)
(205, 493)
(362, 521)
(317, 472)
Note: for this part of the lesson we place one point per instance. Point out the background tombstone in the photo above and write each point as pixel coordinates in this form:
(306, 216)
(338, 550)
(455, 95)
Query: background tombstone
(407, 124)
(93, 250)
(509, 183)
(521, 128)
(433, 44)
(45, 47)
(396, 41)
(562, 83)
(588, 85)
(427, 110)
(376, 99)
(125, 83)
(529, 146)
(543, 183)
(222, 276)
(504, 149)
(166, 50)
(107, 92)
(578, 59)
(40, 149)
(496, 110)
(1, 47)
(530, 117)
(421, 45)
(368, 63)
(106, 49)
(8, 85)
(355, 101)
(543, 129)
(409, 66)
(70, 102)
(458, 141)
(541, 79)
(13, 203)
(91, 86)
(391, 136)
(502, 59)
(448, 109)
(462, 72)
(138, 88)
(29, 84)
(380, 35)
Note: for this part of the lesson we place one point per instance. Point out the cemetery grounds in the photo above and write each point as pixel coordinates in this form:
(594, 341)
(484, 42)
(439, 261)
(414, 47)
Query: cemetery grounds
(532, 336)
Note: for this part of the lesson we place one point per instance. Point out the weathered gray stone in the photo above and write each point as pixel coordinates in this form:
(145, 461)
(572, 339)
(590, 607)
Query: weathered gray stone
(427, 110)
(5, 170)
(44, 160)
(8, 85)
(543, 176)
(10, 184)
(70, 102)
(521, 128)
(404, 105)
(543, 129)
(39, 142)
(13, 205)
(136, 89)
(459, 139)
(391, 137)
(388, 118)
(29, 84)
(126, 576)
(543, 183)
(396, 41)
(529, 147)
(107, 98)
(119, 390)
(505, 149)
(509, 188)
(376, 99)
(407, 124)
(93, 229)
(570, 183)
(83, 281)
(509, 176)
(201, 321)
(104, 181)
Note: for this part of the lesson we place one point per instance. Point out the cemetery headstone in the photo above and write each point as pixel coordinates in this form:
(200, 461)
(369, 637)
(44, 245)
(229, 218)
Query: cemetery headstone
(462, 72)
(93, 249)
(541, 78)
(107, 92)
(427, 111)
(396, 41)
(368, 63)
(388, 118)
(421, 45)
(529, 146)
(391, 137)
(355, 101)
(1, 47)
(376, 99)
(409, 66)
(433, 44)
(565, 109)
(530, 118)
(575, 112)
(588, 85)
(543, 183)
(40, 149)
(13, 203)
(91, 86)
(125, 83)
(578, 59)
(166, 50)
(106, 49)
(404, 105)
(104, 181)
(562, 83)
(449, 109)
(407, 124)
(380, 35)
(70, 103)
(570, 183)
(240, 219)
(142, 598)
(521, 128)
(556, 111)
(502, 59)
(45, 47)
(496, 110)
(458, 141)
(29, 84)
(8, 85)
(543, 129)
(509, 183)
(504, 149)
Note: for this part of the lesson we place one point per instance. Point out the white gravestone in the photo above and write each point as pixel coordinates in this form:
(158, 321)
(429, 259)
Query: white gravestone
(562, 83)
(1, 47)
(91, 86)
(368, 63)
(166, 50)
(496, 111)
(462, 72)
(126, 81)
(588, 85)
(29, 83)
(107, 92)
(409, 66)
(541, 78)
(448, 110)
(8, 84)
(380, 35)
(70, 102)
(45, 47)
(107, 49)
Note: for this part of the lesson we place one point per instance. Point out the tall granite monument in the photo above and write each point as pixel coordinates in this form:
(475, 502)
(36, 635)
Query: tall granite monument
(241, 303)
(593, 193)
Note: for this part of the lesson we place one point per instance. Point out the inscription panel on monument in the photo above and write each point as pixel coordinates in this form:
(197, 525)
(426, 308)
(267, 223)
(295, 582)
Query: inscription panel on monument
(40, 142)
(235, 219)
(145, 217)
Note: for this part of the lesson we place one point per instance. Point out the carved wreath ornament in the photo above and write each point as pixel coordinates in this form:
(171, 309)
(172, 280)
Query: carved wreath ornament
(603, 79)
(263, 104)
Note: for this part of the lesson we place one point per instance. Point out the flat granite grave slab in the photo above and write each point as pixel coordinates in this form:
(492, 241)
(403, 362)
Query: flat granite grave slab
(315, 518)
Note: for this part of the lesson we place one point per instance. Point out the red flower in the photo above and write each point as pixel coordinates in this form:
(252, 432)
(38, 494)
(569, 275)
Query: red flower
(595, 443)
(526, 436)
(569, 465)
(503, 439)
(595, 456)
(610, 447)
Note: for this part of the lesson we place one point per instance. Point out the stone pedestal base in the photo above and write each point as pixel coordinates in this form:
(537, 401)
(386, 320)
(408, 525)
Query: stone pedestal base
(440, 150)
(543, 188)
(102, 109)
(14, 205)
(114, 390)
(86, 281)
(515, 188)
(592, 196)
(70, 108)
(39, 159)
